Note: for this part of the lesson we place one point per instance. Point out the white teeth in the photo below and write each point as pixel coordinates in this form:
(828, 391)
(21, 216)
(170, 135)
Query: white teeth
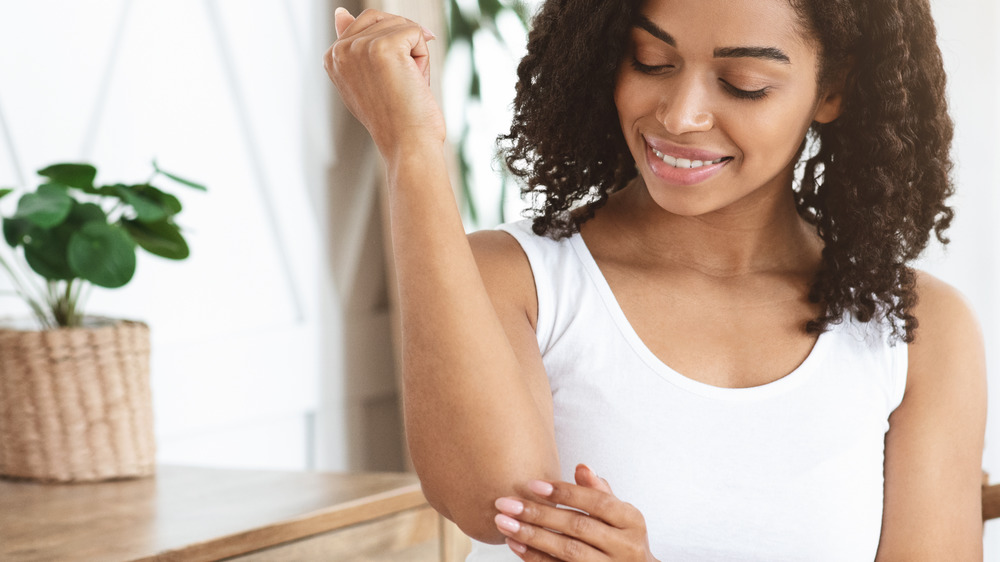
(683, 162)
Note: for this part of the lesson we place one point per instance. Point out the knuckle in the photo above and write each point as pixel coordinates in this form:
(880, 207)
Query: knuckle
(633, 513)
(581, 526)
(338, 51)
(526, 532)
(379, 49)
(606, 504)
(571, 550)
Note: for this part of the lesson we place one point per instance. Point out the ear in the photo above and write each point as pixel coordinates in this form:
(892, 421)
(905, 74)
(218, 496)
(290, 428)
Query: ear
(831, 102)
(830, 107)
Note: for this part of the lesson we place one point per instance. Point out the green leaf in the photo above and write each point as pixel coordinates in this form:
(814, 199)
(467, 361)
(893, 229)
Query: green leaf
(177, 179)
(102, 254)
(146, 209)
(45, 251)
(74, 175)
(47, 207)
(86, 212)
(159, 238)
(459, 27)
(15, 229)
(105, 190)
(170, 204)
(490, 8)
(5, 192)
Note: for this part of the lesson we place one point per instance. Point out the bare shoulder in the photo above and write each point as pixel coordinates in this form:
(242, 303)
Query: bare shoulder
(506, 272)
(934, 446)
(948, 334)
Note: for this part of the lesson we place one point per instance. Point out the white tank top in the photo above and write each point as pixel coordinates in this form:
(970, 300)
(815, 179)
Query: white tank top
(790, 470)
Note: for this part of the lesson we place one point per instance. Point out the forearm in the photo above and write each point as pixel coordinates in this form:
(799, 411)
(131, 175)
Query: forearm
(474, 431)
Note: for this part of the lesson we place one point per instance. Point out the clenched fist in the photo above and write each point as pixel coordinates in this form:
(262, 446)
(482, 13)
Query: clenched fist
(381, 66)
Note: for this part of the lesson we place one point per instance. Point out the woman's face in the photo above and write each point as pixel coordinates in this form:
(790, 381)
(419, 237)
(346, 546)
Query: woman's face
(715, 98)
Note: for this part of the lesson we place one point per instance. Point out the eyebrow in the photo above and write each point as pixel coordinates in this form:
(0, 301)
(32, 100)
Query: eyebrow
(655, 30)
(766, 53)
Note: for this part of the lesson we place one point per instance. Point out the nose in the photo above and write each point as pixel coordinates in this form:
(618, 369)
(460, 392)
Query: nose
(684, 108)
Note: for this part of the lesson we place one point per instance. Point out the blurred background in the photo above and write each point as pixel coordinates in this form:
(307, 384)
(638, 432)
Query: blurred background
(273, 344)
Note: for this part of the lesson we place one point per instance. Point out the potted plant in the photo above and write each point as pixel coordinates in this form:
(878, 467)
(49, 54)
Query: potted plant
(75, 403)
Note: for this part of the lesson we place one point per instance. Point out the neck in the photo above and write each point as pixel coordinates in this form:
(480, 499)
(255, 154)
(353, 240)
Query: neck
(761, 234)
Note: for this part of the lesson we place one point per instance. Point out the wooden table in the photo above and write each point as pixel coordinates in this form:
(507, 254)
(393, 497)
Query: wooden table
(212, 514)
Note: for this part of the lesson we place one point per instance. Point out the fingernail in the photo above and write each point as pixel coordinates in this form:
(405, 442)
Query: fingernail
(540, 488)
(516, 546)
(339, 10)
(509, 506)
(506, 523)
(428, 34)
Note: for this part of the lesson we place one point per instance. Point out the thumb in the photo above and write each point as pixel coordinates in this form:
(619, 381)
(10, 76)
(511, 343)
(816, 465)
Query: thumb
(585, 476)
(342, 18)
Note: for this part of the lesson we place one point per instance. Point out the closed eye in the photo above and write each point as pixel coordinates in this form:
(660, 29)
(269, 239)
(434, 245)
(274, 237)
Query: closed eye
(650, 69)
(744, 94)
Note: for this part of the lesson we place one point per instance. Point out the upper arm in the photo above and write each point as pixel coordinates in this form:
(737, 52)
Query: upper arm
(510, 284)
(934, 446)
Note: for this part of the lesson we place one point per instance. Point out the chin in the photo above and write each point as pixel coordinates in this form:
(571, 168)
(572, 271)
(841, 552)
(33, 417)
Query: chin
(690, 201)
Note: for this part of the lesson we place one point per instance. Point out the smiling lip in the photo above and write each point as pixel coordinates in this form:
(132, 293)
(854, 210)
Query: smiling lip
(682, 152)
(683, 176)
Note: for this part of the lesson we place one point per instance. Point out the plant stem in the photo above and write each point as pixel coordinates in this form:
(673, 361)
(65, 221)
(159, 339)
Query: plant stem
(21, 290)
(71, 317)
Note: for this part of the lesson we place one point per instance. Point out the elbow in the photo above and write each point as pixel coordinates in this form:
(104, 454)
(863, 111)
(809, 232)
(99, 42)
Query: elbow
(474, 516)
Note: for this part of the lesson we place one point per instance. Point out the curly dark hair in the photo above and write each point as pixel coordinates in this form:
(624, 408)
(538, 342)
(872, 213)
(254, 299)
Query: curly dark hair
(874, 182)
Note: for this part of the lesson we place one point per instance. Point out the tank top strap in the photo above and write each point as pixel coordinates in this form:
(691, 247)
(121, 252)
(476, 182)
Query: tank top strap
(559, 279)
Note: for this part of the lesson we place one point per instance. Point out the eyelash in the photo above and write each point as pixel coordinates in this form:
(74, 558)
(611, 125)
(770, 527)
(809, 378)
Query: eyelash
(752, 95)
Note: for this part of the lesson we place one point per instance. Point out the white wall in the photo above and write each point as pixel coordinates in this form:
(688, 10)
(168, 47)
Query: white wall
(227, 92)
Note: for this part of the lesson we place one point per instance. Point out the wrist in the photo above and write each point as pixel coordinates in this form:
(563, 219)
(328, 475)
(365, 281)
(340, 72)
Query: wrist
(413, 157)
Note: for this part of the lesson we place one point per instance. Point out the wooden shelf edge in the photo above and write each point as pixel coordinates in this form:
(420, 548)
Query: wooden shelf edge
(299, 527)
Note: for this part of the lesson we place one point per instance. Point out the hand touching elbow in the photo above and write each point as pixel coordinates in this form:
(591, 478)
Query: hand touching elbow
(609, 529)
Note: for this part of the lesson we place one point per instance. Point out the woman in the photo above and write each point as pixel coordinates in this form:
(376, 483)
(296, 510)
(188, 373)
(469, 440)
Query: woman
(832, 401)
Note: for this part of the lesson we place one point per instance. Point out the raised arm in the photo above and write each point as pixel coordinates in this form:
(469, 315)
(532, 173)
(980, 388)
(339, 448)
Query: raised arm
(934, 447)
(477, 408)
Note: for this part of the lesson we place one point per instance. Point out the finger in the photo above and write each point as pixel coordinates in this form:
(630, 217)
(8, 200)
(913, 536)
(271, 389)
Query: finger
(532, 555)
(529, 554)
(599, 504)
(369, 18)
(517, 547)
(568, 522)
(559, 546)
(585, 476)
(410, 38)
(342, 18)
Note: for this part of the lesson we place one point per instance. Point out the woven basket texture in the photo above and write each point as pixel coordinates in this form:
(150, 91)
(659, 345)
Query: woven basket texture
(75, 403)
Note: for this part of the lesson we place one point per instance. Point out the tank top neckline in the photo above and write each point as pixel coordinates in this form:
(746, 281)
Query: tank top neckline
(788, 382)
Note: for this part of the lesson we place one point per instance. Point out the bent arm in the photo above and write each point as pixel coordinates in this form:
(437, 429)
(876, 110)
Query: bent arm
(476, 404)
(934, 447)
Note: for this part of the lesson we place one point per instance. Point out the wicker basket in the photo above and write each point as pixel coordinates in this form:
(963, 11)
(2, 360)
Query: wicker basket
(75, 403)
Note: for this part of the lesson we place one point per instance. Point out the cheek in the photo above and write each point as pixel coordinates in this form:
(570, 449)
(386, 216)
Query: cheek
(634, 100)
(776, 131)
